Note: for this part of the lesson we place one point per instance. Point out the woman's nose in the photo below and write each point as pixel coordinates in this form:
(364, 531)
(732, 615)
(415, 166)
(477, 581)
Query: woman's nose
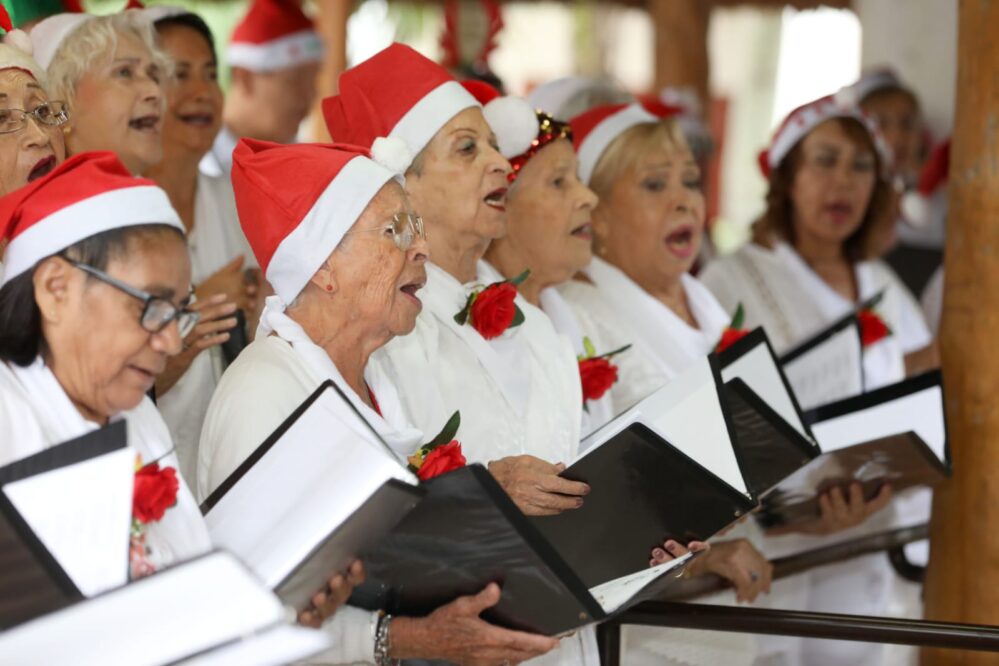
(419, 251)
(497, 163)
(34, 133)
(168, 340)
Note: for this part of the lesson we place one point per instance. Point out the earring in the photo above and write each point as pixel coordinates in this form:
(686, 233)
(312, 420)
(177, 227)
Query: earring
(329, 287)
(66, 130)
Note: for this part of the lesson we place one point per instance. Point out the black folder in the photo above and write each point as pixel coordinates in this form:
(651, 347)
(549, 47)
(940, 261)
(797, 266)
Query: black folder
(334, 551)
(31, 581)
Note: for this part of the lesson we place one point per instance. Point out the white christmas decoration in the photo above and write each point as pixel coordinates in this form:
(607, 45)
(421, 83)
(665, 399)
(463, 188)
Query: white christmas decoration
(392, 153)
(515, 124)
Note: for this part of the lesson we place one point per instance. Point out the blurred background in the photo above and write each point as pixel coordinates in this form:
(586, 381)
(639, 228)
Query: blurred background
(747, 63)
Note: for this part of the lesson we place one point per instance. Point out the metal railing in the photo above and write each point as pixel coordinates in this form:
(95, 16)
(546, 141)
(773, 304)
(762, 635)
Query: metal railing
(673, 611)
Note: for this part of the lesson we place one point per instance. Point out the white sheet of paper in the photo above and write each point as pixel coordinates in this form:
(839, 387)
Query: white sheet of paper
(687, 413)
(920, 412)
(759, 370)
(831, 371)
(312, 480)
(282, 645)
(174, 614)
(82, 515)
(615, 593)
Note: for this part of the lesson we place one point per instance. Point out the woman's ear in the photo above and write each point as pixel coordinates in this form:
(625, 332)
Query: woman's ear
(52, 288)
(325, 277)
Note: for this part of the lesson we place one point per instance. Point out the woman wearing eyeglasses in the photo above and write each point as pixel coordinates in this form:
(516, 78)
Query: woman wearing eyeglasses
(93, 302)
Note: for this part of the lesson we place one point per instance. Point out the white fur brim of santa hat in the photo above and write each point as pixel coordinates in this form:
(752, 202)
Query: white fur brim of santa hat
(296, 203)
(15, 57)
(274, 34)
(801, 121)
(48, 35)
(88, 194)
(395, 94)
(596, 129)
(871, 82)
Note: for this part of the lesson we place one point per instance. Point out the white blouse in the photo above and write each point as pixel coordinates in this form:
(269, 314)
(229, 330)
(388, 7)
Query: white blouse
(215, 240)
(780, 292)
(36, 413)
(518, 393)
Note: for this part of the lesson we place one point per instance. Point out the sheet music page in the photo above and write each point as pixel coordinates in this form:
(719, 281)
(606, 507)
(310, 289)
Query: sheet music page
(282, 645)
(306, 485)
(688, 414)
(173, 614)
(758, 369)
(615, 593)
(831, 371)
(82, 514)
(920, 412)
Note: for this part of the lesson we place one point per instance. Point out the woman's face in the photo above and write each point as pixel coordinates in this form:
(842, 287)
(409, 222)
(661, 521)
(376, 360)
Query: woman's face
(31, 152)
(119, 107)
(549, 215)
(460, 189)
(897, 117)
(98, 349)
(194, 99)
(651, 223)
(832, 185)
(372, 277)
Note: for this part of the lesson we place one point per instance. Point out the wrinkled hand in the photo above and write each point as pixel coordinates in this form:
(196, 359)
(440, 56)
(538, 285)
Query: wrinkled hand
(536, 487)
(455, 633)
(326, 602)
(671, 550)
(234, 282)
(738, 562)
(840, 511)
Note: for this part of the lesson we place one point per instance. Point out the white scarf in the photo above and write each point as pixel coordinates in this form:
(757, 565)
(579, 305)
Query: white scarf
(390, 424)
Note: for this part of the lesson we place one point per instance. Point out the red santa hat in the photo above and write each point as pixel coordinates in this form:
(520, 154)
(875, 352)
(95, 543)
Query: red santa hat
(394, 103)
(88, 194)
(594, 130)
(800, 122)
(917, 206)
(296, 202)
(274, 34)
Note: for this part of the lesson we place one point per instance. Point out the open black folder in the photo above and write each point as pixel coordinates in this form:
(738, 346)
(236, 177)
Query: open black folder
(32, 580)
(663, 469)
(894, 435)
(311, 497)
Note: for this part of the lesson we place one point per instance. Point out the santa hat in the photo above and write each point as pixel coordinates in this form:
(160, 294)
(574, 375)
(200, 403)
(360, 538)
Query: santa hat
(917, 205)
(274, 34)
(296, 202)
(49, 35)
(800, 122)
(594, 130)
(16, 50)
(870, 82)
(394, 103)
(88, 194)
(26, 11)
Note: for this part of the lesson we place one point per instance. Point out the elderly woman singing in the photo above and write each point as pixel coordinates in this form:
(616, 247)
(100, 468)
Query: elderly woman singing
(337, 238)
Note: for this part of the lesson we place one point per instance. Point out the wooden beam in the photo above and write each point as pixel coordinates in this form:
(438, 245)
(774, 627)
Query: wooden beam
(963, 578)
(681, 42)
(331, 23)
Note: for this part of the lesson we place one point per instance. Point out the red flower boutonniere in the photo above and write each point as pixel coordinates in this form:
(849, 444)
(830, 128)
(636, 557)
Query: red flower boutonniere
(733, 332)
(872, 327)
(442, 454)
(154, 491)
(491, 310)
(596, 373)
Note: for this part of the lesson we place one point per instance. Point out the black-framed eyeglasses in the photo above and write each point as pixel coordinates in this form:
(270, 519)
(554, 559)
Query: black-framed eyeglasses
(405, 227)
(157, 312)
(47, 113)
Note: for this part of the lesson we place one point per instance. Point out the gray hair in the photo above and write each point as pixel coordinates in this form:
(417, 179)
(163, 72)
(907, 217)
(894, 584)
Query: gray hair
(94, 41)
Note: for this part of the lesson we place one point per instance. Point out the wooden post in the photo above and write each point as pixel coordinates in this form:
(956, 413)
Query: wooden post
(963, 578)
(331, 22)
(681, 37)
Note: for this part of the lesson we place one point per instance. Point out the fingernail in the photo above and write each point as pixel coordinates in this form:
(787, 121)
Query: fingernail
(670, 545)
(659, 553)
(586, 490)
(579, 503)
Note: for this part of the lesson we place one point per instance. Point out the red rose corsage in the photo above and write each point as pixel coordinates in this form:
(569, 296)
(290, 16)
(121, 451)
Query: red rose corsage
(492, 310)
(596, 373)
(441, 454)
(873, 328)
(733, 332)
(154, 491)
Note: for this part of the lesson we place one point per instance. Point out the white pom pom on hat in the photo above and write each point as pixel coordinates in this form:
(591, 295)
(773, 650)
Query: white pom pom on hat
(515, 124)
(392, 153)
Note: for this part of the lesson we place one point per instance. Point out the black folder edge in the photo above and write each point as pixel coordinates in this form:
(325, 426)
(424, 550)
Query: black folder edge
(885, 394)
(216, 496)
(747, 344)
(56, 573)
(749, 499)
(745, 391)
(111, 437)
